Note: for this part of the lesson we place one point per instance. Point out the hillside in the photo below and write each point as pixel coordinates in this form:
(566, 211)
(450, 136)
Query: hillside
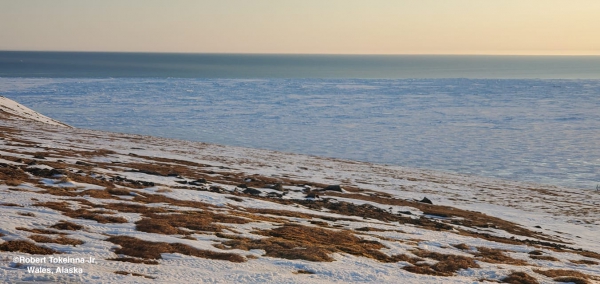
(158, 210)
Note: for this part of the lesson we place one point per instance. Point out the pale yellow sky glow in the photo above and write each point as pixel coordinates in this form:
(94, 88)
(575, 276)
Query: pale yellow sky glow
(538, 27)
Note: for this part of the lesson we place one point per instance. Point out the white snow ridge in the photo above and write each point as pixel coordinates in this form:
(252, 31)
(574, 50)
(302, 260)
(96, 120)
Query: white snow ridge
(82, 206)
(9, 106)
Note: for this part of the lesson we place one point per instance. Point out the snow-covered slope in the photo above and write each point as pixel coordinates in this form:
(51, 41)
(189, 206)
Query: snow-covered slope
(157, 210)
(11, 107)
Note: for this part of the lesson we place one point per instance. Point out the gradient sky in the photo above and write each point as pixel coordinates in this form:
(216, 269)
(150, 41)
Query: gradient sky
(562, 27)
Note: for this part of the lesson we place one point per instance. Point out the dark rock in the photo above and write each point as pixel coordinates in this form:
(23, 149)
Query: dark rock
(312, 194)
(198, 182)
(252, 191)
(39, 157)
(426, 200)
(118, 178)
(405, 212)
(274, 195)
(173, 175)
(45, 172)
(217, 189)
(539, 227)
(243, 185)
(336, 187)
(181, 181)
(55, 172)
(235, 198)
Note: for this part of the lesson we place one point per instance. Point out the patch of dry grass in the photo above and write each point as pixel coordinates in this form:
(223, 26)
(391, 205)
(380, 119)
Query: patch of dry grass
(589, 254)
(26, 247)
(27, 214)
(462, 246)
(567, 274)
(158, 198)
(570, 279)
(491, 255)
(12, 175)
(160, 169)
(134, 260)
(60, 240)
(310, 243)
(519, 278)
(152, 250)
(82, 213)
(169, 224)
(39, 231)
(544, 257)
(584, 261)
(447, 265)
(13, 182)
(133, 208)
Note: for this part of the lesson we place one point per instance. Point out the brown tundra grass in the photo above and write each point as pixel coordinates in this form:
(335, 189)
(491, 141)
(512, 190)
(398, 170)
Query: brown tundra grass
(310, 243)
(570, 279)
(60, 240)
(544, 257)
(82, 213)
(39, 231)
(134, 260)
(585, 261)
(152, 250)
(519, 278)
(491, 255)
(169, 224)
(462, 246)
(557, 273)
(26, 247)
(447, 265)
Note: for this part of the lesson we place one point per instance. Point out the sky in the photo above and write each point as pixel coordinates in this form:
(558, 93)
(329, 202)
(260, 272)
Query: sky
(515, 27)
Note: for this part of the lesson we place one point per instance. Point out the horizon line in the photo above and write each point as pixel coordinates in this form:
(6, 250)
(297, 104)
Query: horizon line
(328, 54)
